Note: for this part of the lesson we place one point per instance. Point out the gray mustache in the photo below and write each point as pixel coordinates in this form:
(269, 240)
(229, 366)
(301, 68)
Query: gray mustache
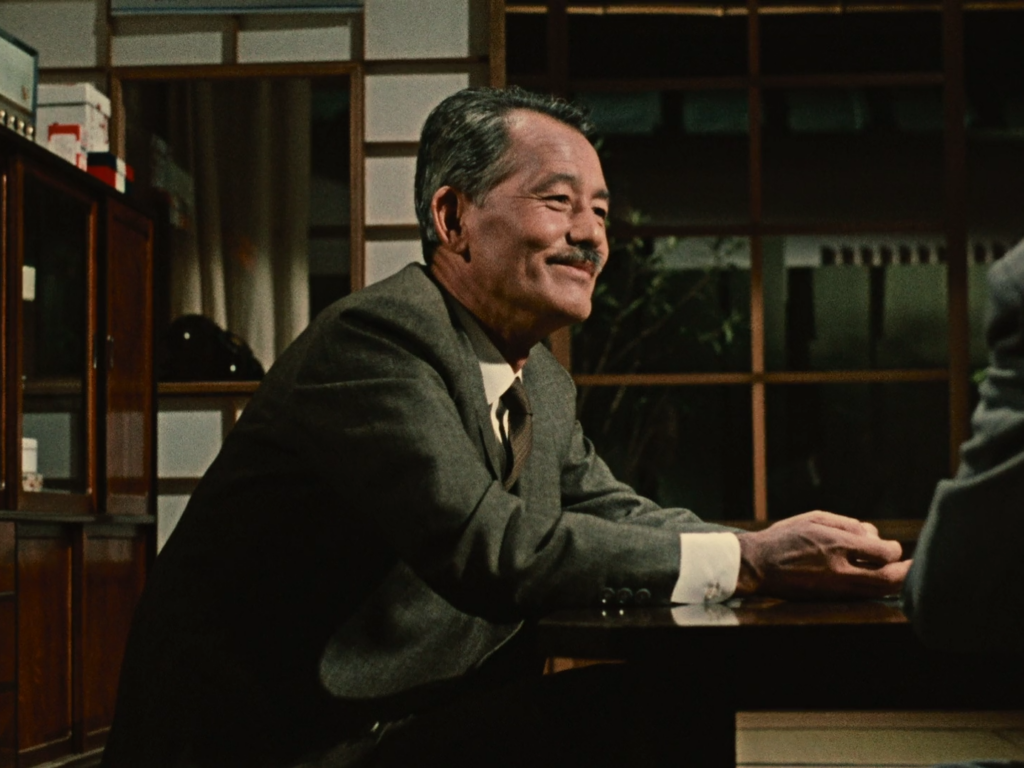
(581, 255)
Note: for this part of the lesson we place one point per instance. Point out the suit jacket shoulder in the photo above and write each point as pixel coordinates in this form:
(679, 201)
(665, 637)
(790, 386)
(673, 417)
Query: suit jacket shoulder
(963, 590)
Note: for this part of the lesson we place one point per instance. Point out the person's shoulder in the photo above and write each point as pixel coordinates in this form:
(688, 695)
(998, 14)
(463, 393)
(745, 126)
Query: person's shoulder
(1005, 300)
(543, 363)
(409, 300)
(546, 377)
(411, 289)
(1009, 270)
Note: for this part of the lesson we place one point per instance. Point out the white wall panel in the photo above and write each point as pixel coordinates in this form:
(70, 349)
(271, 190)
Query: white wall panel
(425, 29)
(397, 105)
(143, 50)
(389, 190)
(314, 43)
(63, 31)
(152, 41)
(187, 442)
(384, 259)
(168, 512)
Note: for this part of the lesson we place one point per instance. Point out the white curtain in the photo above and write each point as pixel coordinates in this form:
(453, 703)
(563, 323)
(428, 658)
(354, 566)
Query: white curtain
(243, 261)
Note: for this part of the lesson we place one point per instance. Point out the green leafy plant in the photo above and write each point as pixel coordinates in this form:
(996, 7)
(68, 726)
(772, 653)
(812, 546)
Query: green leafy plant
(651, 314)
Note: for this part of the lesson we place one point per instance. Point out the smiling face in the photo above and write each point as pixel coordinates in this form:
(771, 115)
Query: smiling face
(525, 258)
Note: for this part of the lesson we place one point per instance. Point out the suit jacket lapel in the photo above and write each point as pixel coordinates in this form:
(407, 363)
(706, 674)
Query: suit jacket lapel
(492, 448)
(477, 416)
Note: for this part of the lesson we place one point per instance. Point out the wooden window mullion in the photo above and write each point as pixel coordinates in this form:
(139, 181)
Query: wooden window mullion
(497, 73)
(955, 169)
(757, 392)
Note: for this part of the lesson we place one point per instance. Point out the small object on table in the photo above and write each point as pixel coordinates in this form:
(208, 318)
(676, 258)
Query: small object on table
(31, 480)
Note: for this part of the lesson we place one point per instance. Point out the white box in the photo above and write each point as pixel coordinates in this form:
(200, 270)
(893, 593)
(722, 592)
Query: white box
(66, 140)
(28, 283)
(29, 454)
(69, 104)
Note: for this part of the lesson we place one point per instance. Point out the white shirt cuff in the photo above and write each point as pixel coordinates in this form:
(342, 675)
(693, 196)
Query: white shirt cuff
(709, 565)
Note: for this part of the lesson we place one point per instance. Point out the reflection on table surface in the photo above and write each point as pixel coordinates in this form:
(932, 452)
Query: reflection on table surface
(757, 611)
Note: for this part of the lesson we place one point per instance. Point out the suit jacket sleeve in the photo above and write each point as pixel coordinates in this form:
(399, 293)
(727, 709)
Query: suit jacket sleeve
(379, 409)
(964, 589)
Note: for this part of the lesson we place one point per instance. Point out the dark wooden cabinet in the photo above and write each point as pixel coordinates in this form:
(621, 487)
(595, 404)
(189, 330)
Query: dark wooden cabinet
(76, 537)
(127, 433)
(113, 570)
(44, 670)
(8, 645)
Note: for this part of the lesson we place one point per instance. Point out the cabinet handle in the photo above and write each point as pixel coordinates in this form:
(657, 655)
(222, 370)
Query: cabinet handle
(110, 353)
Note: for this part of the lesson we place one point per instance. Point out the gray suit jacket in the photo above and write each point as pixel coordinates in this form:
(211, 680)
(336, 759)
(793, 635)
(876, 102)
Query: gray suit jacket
(351, 553)
(964, 591)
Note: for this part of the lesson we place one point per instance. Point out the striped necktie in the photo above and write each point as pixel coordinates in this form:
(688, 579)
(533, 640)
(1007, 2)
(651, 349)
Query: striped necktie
(518, 440)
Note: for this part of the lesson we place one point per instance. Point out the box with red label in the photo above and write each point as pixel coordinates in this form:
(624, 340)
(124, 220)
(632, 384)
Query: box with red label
(71, 104)
(112, 170)
(65, 140)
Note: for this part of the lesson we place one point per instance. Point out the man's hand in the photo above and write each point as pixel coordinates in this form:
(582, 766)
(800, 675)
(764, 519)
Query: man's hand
(819, 555)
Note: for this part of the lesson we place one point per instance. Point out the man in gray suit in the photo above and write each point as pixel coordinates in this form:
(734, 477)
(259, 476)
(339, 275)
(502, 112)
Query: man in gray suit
(354, 579)
(963, 592)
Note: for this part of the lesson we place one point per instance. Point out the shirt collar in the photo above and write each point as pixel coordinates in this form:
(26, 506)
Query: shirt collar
(495, 370)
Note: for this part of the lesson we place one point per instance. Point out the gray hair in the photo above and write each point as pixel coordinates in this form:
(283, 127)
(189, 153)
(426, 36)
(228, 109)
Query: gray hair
(464, 144)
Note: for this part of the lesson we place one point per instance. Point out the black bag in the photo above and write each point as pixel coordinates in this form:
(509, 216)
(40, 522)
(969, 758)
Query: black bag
(195, 348)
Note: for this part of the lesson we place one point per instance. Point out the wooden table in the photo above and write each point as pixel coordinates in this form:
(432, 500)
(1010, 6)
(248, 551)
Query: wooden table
(702, 664)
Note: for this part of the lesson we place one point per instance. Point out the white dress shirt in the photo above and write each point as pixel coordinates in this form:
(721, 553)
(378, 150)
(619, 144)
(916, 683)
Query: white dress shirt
(709, 563)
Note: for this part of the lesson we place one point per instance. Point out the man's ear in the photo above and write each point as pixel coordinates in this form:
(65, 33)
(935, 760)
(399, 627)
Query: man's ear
(447, 208)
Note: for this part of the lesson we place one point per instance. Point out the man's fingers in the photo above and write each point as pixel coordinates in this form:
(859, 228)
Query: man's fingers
(832, 520)
(850, 524)
(870, 551)
(853, 581)
(899, 569)
(820, 554)
(886, 580)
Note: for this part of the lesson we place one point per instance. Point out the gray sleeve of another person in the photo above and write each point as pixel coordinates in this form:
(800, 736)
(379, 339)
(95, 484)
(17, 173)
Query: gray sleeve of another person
(964, 591)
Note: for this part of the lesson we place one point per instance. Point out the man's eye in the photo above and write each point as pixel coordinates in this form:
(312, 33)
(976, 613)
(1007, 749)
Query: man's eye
(601, 212)
(560, 199)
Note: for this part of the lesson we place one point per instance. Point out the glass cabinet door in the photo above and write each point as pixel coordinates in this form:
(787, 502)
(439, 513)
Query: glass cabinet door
(128, 374)
(56, 339)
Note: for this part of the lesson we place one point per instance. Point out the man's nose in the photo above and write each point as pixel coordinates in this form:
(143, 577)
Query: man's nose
(587, 229)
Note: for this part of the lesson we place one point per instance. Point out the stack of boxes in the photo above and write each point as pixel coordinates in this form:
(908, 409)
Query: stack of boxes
(112, 170)
(72, 121)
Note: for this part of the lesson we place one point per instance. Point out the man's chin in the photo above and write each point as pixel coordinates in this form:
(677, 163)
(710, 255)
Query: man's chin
(560, 308)
(574, 313)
